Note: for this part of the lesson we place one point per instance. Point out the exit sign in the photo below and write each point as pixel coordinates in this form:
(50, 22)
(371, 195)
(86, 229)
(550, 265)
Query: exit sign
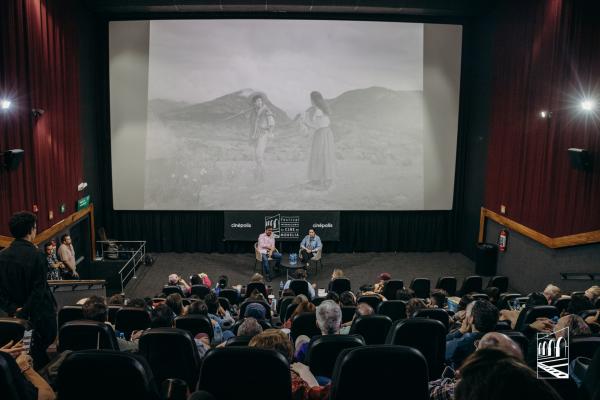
(83, 202)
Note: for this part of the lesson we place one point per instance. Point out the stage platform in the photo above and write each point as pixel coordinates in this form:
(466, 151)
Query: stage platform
(361, 268)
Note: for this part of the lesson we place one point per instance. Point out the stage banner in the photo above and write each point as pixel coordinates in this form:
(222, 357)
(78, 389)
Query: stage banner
(287, 225)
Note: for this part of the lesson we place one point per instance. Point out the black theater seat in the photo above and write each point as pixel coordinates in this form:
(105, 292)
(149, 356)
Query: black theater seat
(300, 286)
(12, 329)
(395, 309)
(7, 379)
(348, 313)
(530, 314)
(501, 282)
(438, 314)
(267, 376)
(256, 286)
(391, 287)
(304, 324)
(105, 374)
(583, 346)
(200, 290)
(69, 313)
(86, 335)
(230, 294)
(171, 353)
(426, 335)
(447, 283)
(373, 301)
(238, 341)
(471, 284)
(421, 287)
(340, 285)
(131, 319)
(195, 324)
(323, 351)
(170, 289)
(373, 328)
(393, 372)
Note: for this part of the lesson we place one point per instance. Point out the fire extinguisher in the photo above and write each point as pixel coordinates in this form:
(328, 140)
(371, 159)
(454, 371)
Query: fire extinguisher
(502, 240)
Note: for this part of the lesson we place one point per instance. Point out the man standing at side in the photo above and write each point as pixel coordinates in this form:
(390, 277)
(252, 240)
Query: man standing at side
(266, 247)
(66, 252)
(24, 291)
(309, 246)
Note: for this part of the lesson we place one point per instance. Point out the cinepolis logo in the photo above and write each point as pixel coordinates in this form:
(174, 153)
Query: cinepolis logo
(244, 225)
(322, 225)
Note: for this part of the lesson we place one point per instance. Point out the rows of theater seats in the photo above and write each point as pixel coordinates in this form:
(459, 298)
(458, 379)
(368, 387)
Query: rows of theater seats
(407, 352)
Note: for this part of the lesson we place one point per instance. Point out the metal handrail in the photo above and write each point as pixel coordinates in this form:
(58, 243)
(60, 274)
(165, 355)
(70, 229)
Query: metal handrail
(134, 260)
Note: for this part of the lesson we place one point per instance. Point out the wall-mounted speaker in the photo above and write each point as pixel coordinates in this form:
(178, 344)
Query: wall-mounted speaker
(580, 159)
(12, 159)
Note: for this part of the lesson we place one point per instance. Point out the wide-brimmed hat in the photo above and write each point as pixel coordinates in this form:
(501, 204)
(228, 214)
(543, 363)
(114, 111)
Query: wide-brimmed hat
(254, 95)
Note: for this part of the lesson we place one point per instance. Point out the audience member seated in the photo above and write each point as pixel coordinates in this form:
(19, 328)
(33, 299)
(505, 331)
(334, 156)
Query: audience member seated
(222, 283)
(176, 280)
(95, 309)
(438, 298)
(220, 316)
(333, 296)
(200, 279)
(175, 304)
(250, 327)
(162, 317)
(593, 294)
(116, 300)
(551, 293)
(348, 299)
(362, 309)
(481, 317)
(405, 294)
(493, 375)
(304, 384)
(26, 382)
(329, 321)
(301, 275)
(257, 278)
(303, 305)
(579, 303)
(383, 278)
(337, 273)
(413, 305)
(493, 294)
(461, 310)
(443, 389)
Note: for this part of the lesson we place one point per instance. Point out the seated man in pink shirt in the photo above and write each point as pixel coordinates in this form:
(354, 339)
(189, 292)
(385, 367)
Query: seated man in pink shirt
(266, 247)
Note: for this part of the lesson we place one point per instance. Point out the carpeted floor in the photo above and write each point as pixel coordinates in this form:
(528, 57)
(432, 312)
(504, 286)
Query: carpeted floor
(361, 268)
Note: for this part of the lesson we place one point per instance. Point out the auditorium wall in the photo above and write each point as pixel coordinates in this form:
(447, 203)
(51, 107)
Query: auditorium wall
(39, 70)
(545, 58)
(530, 266)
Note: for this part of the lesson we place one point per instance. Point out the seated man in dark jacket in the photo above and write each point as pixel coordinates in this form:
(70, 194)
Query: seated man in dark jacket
(481, 318)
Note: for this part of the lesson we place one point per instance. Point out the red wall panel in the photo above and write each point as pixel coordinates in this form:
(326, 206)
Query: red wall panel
(546, 58)
(39, 69)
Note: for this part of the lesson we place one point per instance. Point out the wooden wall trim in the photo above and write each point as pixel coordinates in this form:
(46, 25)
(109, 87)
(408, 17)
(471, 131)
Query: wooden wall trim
(553, 243)
(60, 226)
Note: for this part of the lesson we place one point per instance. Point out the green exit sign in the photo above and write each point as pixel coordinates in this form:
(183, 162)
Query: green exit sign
(83, 202)
(63, 208)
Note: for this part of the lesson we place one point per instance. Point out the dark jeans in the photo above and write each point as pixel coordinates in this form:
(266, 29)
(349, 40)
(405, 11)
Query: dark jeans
(44, 333)
(305, 256)
(265, 262)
